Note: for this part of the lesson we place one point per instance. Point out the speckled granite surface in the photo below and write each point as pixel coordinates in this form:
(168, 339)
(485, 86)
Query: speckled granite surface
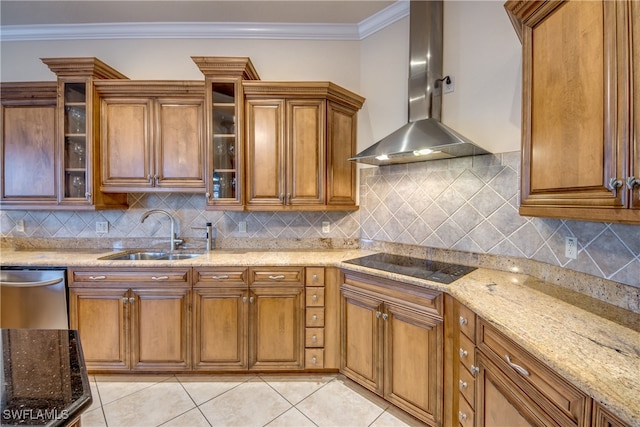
(594, 345)
(44, 379)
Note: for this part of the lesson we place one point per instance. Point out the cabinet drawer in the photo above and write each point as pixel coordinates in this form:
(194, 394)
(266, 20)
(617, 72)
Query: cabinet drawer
(467, 352)
(314, 317)
(467, 322)
(221, 277)
(315, 276)
(314, 337)
(276, 276)
(315, 297)
(467, 385)
(313, 358)
(465, 414)
(138, 276)
(538, 381)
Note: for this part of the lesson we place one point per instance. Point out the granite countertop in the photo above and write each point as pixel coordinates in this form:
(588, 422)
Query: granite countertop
(44, 379)
(594, 345)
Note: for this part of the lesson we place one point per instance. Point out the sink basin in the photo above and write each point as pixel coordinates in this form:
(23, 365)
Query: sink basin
(149, 255)
(134, 256)
(177, 256)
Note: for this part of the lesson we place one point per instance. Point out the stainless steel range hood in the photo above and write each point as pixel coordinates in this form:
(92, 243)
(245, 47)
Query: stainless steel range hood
(424, 137)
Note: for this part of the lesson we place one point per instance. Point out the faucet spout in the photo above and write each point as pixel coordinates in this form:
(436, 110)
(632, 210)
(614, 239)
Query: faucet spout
(175, 242)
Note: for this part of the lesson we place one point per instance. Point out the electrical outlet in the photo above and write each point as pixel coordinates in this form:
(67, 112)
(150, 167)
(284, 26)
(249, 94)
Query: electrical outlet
(571, 247)
(326, 227)
(102, 227)
(20, 226)
(448, 87)
(242, 226)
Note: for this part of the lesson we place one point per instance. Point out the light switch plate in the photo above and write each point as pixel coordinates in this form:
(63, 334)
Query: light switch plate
(20, 226)
(242, 227)
(326, 227)
(102, 227)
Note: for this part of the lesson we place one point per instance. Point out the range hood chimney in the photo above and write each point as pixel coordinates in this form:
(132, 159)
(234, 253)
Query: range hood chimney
(424, 137)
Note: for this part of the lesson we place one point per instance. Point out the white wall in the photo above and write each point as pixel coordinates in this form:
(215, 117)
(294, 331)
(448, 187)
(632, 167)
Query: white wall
(481, 50)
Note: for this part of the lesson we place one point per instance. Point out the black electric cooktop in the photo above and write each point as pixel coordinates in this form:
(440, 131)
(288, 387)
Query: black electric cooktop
(435, 271)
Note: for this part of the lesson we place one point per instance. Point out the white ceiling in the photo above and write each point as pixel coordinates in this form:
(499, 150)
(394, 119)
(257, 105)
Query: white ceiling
(27, 12)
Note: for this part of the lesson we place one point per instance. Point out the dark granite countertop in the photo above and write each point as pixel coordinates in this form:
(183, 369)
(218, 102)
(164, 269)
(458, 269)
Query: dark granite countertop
(44, 378)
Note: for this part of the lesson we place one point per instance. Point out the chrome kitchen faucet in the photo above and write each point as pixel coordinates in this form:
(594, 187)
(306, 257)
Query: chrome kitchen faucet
(175, 242)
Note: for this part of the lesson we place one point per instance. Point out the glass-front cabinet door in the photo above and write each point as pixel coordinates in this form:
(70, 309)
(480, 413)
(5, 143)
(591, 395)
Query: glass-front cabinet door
(224, 111)
(225, 152)
(76, 122)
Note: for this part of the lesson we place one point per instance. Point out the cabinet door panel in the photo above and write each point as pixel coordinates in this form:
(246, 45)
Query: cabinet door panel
(100, 317)
(341, 145)
(634, 149)
(305, 174)
(180, 158)
(220, 329)
(29, 153)
(265, 152)
(413, 378)
(362, 340)
(160, 329)
(575, 110)
(125, 142)
(500, 402)
(277, 328)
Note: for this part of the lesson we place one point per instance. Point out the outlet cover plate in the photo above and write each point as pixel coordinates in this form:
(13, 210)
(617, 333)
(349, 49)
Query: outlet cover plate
(102, 227)
(571, 247)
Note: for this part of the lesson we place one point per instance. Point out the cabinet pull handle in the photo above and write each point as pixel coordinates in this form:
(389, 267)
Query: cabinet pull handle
(87, 196)
(278, 277)
(244, 300)
(251, 300)
(150, 179)
(156, 179)
(159, 277)
(462, 416)
(314, 360)
(614, 184)
(314, 339)
(132, 300)
(314, 298)
(315, 278)
(125, 300)
(474, 369)
(632, 182)
(385, 316)
(378, 314)
(463, 321)
(518, 368)
(222, 277)
(281, 197)
(314, 317)
(463, 384)
(97, 277)
(288, 198)
(463, 352)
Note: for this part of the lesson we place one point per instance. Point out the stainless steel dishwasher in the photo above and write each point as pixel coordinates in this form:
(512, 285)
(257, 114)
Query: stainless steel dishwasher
(33, 298)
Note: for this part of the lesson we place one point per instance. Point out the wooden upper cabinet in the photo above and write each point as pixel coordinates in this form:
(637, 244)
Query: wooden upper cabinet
(224, 112)
(579, 150)
(29, 160)
(152, 136)
(298, 139)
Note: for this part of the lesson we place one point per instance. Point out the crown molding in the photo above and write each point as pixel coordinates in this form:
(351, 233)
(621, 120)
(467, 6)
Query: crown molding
(208, 30)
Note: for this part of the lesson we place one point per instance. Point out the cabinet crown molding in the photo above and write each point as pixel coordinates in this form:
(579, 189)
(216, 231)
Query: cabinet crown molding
(82, 66)
(225, 66)
(328, 90)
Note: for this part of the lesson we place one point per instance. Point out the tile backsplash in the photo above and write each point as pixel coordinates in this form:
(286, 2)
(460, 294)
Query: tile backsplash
(468, 204)
(471, 204)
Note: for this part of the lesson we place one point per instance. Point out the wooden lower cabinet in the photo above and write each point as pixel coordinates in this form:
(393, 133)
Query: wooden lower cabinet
(392, 343)
(132, 320)
(248, 323)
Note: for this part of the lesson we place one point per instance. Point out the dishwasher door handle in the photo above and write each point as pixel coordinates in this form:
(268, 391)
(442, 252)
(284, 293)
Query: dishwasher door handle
(32, 284)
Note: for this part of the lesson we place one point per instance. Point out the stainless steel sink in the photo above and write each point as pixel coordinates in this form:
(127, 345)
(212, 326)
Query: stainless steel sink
(177, 256)
(148, 256)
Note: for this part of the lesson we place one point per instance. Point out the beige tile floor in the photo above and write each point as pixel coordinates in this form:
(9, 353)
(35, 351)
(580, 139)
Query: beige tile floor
(237, 400)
